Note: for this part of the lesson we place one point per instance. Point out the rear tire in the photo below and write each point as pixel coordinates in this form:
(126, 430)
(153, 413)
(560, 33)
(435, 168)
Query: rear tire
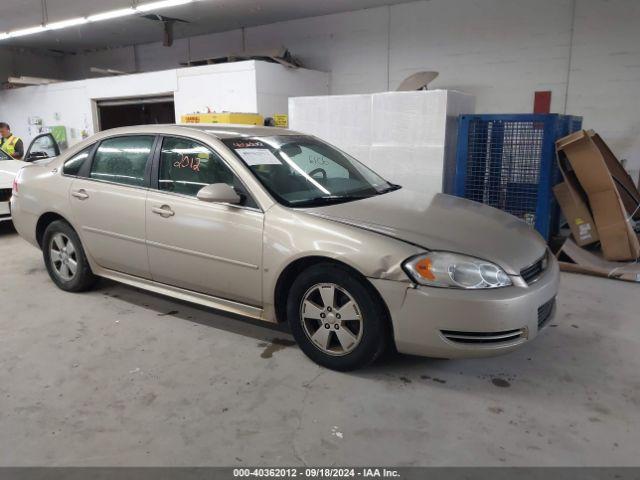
(337, 319)
(65, 259)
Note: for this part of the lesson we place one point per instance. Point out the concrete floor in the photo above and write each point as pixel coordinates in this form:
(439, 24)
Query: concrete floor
(121, 377)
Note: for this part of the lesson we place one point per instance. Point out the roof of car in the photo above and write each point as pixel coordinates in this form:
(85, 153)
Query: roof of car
(218, 130)
(232, 131)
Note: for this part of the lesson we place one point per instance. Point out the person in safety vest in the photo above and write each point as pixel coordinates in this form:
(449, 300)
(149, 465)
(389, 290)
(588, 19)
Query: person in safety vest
(10, 143)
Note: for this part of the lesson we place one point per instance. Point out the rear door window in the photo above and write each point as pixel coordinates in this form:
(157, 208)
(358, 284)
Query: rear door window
(122, 160)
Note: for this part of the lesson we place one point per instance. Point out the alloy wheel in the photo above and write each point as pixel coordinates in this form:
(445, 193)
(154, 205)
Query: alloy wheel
(331, 319)
(63, 256)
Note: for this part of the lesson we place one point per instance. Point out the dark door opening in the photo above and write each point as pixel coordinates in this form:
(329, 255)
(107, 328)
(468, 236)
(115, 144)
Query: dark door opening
(125, 113)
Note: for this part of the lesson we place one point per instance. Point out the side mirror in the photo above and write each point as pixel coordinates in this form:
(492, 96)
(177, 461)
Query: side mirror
(34, 156)
(219, 193)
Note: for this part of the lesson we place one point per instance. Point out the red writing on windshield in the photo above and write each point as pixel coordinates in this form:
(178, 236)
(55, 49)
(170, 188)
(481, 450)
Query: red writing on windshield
(247, 144)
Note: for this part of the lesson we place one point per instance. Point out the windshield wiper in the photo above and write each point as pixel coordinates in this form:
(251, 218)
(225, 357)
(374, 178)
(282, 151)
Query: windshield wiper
(392, 187)
(330, 200)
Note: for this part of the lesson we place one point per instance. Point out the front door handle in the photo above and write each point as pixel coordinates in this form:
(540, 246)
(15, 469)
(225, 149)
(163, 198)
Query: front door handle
(80, 194)
(164, 211)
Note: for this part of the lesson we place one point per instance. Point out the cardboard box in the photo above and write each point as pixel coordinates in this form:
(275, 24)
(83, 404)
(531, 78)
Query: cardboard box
(577, 214)
(628, 192)
(619, 241)
(574, 204)
(574, 259)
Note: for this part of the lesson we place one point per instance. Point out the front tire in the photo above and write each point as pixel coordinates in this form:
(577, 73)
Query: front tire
(65, 259)
(337, 319)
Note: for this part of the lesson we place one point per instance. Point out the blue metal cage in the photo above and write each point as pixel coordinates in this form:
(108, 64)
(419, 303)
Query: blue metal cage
(508, 162)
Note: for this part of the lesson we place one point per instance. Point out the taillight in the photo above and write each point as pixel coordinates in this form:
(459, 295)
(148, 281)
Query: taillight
(16, 180)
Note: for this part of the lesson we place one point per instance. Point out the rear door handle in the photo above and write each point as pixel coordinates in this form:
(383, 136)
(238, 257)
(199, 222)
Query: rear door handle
(81, 194)
(164, 211)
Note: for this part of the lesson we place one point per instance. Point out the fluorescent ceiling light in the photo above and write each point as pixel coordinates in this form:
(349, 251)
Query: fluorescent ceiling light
(27, 31)
(72, 22)
(145, 7)
(112, 14)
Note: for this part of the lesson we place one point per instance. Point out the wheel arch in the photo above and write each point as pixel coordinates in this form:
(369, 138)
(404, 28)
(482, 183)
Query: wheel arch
(291, 271)
(44, 221)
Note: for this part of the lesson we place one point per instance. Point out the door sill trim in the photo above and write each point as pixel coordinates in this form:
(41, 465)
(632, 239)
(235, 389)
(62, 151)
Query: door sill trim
(185, 295)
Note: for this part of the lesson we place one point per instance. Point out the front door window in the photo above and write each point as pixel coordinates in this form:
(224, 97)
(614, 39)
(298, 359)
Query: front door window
(186, 166)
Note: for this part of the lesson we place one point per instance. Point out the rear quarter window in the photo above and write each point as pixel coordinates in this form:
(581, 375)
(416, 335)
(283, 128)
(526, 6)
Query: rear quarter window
(74, 164)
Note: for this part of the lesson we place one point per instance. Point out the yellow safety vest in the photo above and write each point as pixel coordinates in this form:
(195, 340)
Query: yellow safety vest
(9, 144)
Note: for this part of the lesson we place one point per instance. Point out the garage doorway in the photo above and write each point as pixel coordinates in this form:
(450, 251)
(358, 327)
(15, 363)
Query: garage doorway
(135, 111)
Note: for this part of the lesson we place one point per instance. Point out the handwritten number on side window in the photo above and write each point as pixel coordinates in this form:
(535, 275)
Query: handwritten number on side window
(187, 162)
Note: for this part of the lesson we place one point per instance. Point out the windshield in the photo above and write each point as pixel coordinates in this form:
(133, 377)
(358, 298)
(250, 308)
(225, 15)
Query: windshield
(4, 156)
(302, 171)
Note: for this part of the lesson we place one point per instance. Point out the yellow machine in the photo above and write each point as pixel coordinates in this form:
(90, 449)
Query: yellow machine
(224, 117)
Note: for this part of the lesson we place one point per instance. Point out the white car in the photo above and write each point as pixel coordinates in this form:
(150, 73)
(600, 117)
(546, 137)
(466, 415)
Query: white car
(8, 170)
(42, 148)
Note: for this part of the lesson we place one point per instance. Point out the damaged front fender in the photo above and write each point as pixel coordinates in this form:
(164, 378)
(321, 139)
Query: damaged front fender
(390, 269)
(291, 235)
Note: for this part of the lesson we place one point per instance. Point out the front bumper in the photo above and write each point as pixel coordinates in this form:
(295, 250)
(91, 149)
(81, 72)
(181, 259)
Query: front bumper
(450, 323)
(5, 211)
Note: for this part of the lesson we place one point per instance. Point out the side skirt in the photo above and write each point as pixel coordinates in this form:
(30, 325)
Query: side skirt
(185, 295)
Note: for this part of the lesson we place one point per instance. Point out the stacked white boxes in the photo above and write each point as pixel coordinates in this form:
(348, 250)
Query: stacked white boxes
(407, 137)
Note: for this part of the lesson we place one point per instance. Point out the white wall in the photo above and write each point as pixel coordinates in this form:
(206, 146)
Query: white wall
(235, 87)
(275, 85)
(499, 50)
(605, 73)
(57, 104)
(77, 67)
(214, 45)
(154, 56)
(6, 64)
(352, 47)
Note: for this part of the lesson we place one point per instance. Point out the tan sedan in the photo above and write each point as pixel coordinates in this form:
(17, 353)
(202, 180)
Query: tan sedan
(280, 226)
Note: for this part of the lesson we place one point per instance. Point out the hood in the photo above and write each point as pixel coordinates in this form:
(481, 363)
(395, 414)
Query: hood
(8, 171)
(444, 222)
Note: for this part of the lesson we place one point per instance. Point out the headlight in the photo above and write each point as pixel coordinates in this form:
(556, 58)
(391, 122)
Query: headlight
(444, 269)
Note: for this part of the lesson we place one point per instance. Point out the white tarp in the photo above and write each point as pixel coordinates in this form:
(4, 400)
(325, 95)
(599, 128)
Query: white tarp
(407, 137)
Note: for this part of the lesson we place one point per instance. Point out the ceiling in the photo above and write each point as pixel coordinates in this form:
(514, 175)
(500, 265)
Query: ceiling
(204, 16)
